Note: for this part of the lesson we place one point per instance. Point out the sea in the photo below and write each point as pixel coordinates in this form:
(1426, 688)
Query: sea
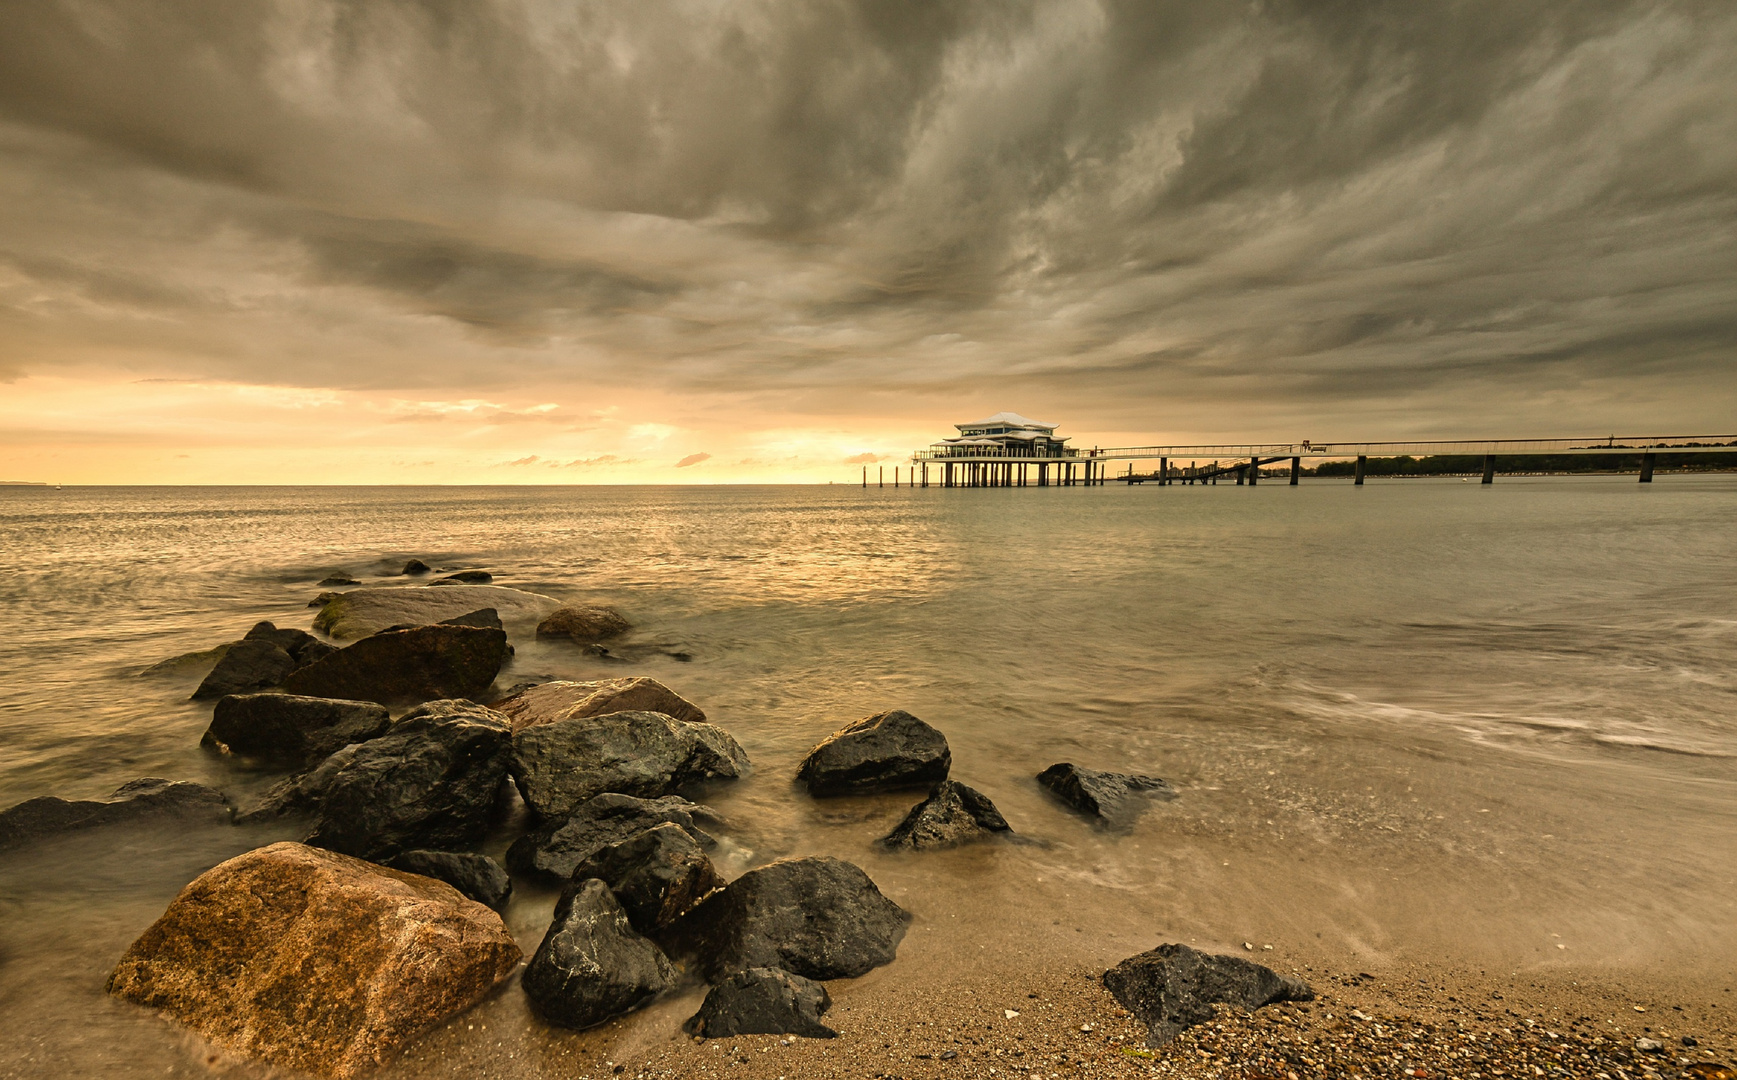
(1418, 720)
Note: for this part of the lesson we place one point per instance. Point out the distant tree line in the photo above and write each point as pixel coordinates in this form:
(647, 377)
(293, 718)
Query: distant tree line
(1473, 464)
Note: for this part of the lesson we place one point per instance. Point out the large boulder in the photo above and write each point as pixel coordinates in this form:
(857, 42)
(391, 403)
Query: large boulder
(465, 577)
(1113, 798)
(560, 765)
(763, 1001)
(592, 966)
(555, 849)
(303, 647)
(1173, 987)
(885, 752)
(657, 875)
(291, 731)
(314, 961)
(432, 781)
(422, 663)
(584, 623)
(140, 800)
(476, 876)
(547, 702)
(247, 666)
(818, 917)
(360, 612)
(953, 815)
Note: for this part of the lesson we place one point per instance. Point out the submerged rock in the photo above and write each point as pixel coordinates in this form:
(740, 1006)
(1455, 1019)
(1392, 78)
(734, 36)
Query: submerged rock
(953, 815)
(360, 612)
(1174, 987)
(560, 765)
(822, 918)
(136, 800)
(423, 663)
(291, 731)
(487, 617)
(657, 875)
(432, 781)
(1112, 797)
(556, 848)
(311, 960)
(476, 876)
(763, 1001)
(337, 580)
(465, 577)
(188, 663)
(550, 700)
(416, 567)
(584, 624)
(592, 966)
(885, 752)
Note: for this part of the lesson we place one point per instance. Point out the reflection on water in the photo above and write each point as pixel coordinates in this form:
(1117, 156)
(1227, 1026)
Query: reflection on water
(1393, 712)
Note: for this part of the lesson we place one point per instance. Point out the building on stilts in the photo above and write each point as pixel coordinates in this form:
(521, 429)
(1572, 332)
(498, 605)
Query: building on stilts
(1006, 450)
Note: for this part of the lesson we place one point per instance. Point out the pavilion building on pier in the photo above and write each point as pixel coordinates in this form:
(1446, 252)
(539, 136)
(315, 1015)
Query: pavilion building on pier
(1007, 450)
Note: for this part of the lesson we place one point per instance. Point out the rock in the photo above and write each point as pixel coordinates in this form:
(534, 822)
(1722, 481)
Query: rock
(417, 566)
(291, 731)
(465, 577)
(817, 917)
(1105, 795)
(561, 764)
(303, 647)
(885, 752)
(432, 781)
(488, 617)
(584, 624)
(1174, 987)
(135, 800)
(187, 663)
(338, 580)
(247, 666)
(360, 612)
(544, 702)
(556, 848)
(323, 599)
(423, 663)
(592, 966)
(954, 814)
(1649, 1046)
(656, 875)
(763, 1001)
(314, 961)
(476, 876)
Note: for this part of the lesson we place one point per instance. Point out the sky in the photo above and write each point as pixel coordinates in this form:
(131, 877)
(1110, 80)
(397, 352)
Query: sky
(684, 241)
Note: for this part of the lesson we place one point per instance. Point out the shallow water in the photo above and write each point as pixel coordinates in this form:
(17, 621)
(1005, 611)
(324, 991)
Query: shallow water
(1417, 719)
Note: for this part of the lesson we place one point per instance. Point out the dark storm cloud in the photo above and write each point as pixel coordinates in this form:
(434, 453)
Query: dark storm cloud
(1132, 208)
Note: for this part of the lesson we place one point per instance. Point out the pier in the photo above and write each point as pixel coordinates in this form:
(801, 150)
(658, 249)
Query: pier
(1009, 450)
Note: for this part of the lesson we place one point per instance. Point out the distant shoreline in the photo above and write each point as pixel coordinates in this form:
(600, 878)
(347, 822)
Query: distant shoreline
(23, 483)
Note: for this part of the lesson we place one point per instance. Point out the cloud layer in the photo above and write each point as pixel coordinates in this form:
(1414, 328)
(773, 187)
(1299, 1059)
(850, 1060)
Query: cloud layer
(1267, 220)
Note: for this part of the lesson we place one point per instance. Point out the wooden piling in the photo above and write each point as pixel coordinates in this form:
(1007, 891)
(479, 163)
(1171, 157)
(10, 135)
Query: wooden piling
(1646, 476)
(1489, 469)
(1296, 470)
(1362, 463)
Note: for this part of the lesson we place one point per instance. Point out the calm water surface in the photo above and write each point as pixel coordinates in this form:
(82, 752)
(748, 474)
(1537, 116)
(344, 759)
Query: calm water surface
(1418, 719)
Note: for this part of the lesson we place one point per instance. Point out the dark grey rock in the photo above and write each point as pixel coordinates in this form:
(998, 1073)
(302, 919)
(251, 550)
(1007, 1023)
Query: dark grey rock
(136, 800)
(817, 917)
(290, 731)
(953, 815)
(200, 663)
(592, 966)
(1114, 798)
(465, 577)
(763, 1001)
(560, 765)
(432, 781)
(477, 876)
(424, 663)
(1174, 987)
(417, 566)
(247, 666)
(338, 580)
(555, 849)
(488, 617)
(889, 751)
(303, 647)
(657, 875)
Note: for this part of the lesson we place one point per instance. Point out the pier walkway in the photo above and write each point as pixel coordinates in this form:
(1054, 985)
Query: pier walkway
(1066, 466)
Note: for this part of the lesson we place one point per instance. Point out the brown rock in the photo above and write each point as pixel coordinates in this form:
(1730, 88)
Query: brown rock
(313, 960)
(584, 623)
(545, 703)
